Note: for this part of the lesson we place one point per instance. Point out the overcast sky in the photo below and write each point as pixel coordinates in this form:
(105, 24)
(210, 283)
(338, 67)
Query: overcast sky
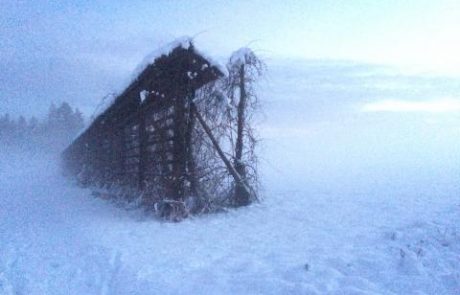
(79, 50)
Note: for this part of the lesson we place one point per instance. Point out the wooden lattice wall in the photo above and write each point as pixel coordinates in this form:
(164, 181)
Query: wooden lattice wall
(143, 140)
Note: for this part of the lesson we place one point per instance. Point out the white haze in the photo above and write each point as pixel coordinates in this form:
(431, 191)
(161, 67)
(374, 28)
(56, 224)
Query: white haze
(360, 196)
(441, 105)
(332, 122)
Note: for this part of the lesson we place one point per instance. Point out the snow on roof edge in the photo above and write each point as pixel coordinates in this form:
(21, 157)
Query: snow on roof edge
(184, 42)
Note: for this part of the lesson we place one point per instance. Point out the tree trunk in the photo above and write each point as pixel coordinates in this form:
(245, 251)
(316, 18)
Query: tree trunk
(241, 196)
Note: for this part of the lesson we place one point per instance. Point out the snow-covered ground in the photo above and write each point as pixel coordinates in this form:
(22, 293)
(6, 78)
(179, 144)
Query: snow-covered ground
(355, 202)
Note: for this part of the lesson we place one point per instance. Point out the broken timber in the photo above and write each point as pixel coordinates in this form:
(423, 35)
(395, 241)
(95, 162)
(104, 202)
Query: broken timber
(236, 176)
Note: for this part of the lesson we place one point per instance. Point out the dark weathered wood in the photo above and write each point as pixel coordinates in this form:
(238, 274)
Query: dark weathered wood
(191, 166)
(132, 141)
(159, 139)
(179, 150)
(142, 149)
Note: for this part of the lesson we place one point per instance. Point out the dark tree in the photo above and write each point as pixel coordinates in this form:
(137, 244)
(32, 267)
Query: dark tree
(244, 69)
(53, 134)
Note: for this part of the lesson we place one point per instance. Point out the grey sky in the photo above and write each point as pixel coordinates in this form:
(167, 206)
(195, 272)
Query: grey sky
(80, 50)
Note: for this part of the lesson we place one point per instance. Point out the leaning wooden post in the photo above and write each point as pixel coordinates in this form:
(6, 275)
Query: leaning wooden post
(236, 176)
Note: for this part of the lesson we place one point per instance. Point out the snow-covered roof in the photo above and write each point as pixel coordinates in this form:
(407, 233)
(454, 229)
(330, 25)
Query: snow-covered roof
(184, 42)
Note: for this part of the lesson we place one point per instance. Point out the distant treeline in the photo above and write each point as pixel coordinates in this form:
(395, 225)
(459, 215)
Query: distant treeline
(53, 133)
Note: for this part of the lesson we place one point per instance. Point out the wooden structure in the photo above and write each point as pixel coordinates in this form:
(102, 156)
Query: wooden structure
(143, 139)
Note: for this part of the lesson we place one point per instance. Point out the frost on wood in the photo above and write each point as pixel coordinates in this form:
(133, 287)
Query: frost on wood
(143, 95)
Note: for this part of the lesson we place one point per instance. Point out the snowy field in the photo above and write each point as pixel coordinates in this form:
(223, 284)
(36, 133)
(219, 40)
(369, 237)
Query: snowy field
(361, 195)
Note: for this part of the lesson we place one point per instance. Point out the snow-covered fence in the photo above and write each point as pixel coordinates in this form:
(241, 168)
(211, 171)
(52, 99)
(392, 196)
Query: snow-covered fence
(142, 140)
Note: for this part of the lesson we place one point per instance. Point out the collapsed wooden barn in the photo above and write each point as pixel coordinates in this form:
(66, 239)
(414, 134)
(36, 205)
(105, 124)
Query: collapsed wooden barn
(143, 138)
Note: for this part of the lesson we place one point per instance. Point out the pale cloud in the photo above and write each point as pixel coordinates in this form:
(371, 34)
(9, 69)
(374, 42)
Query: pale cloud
(431, 106)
